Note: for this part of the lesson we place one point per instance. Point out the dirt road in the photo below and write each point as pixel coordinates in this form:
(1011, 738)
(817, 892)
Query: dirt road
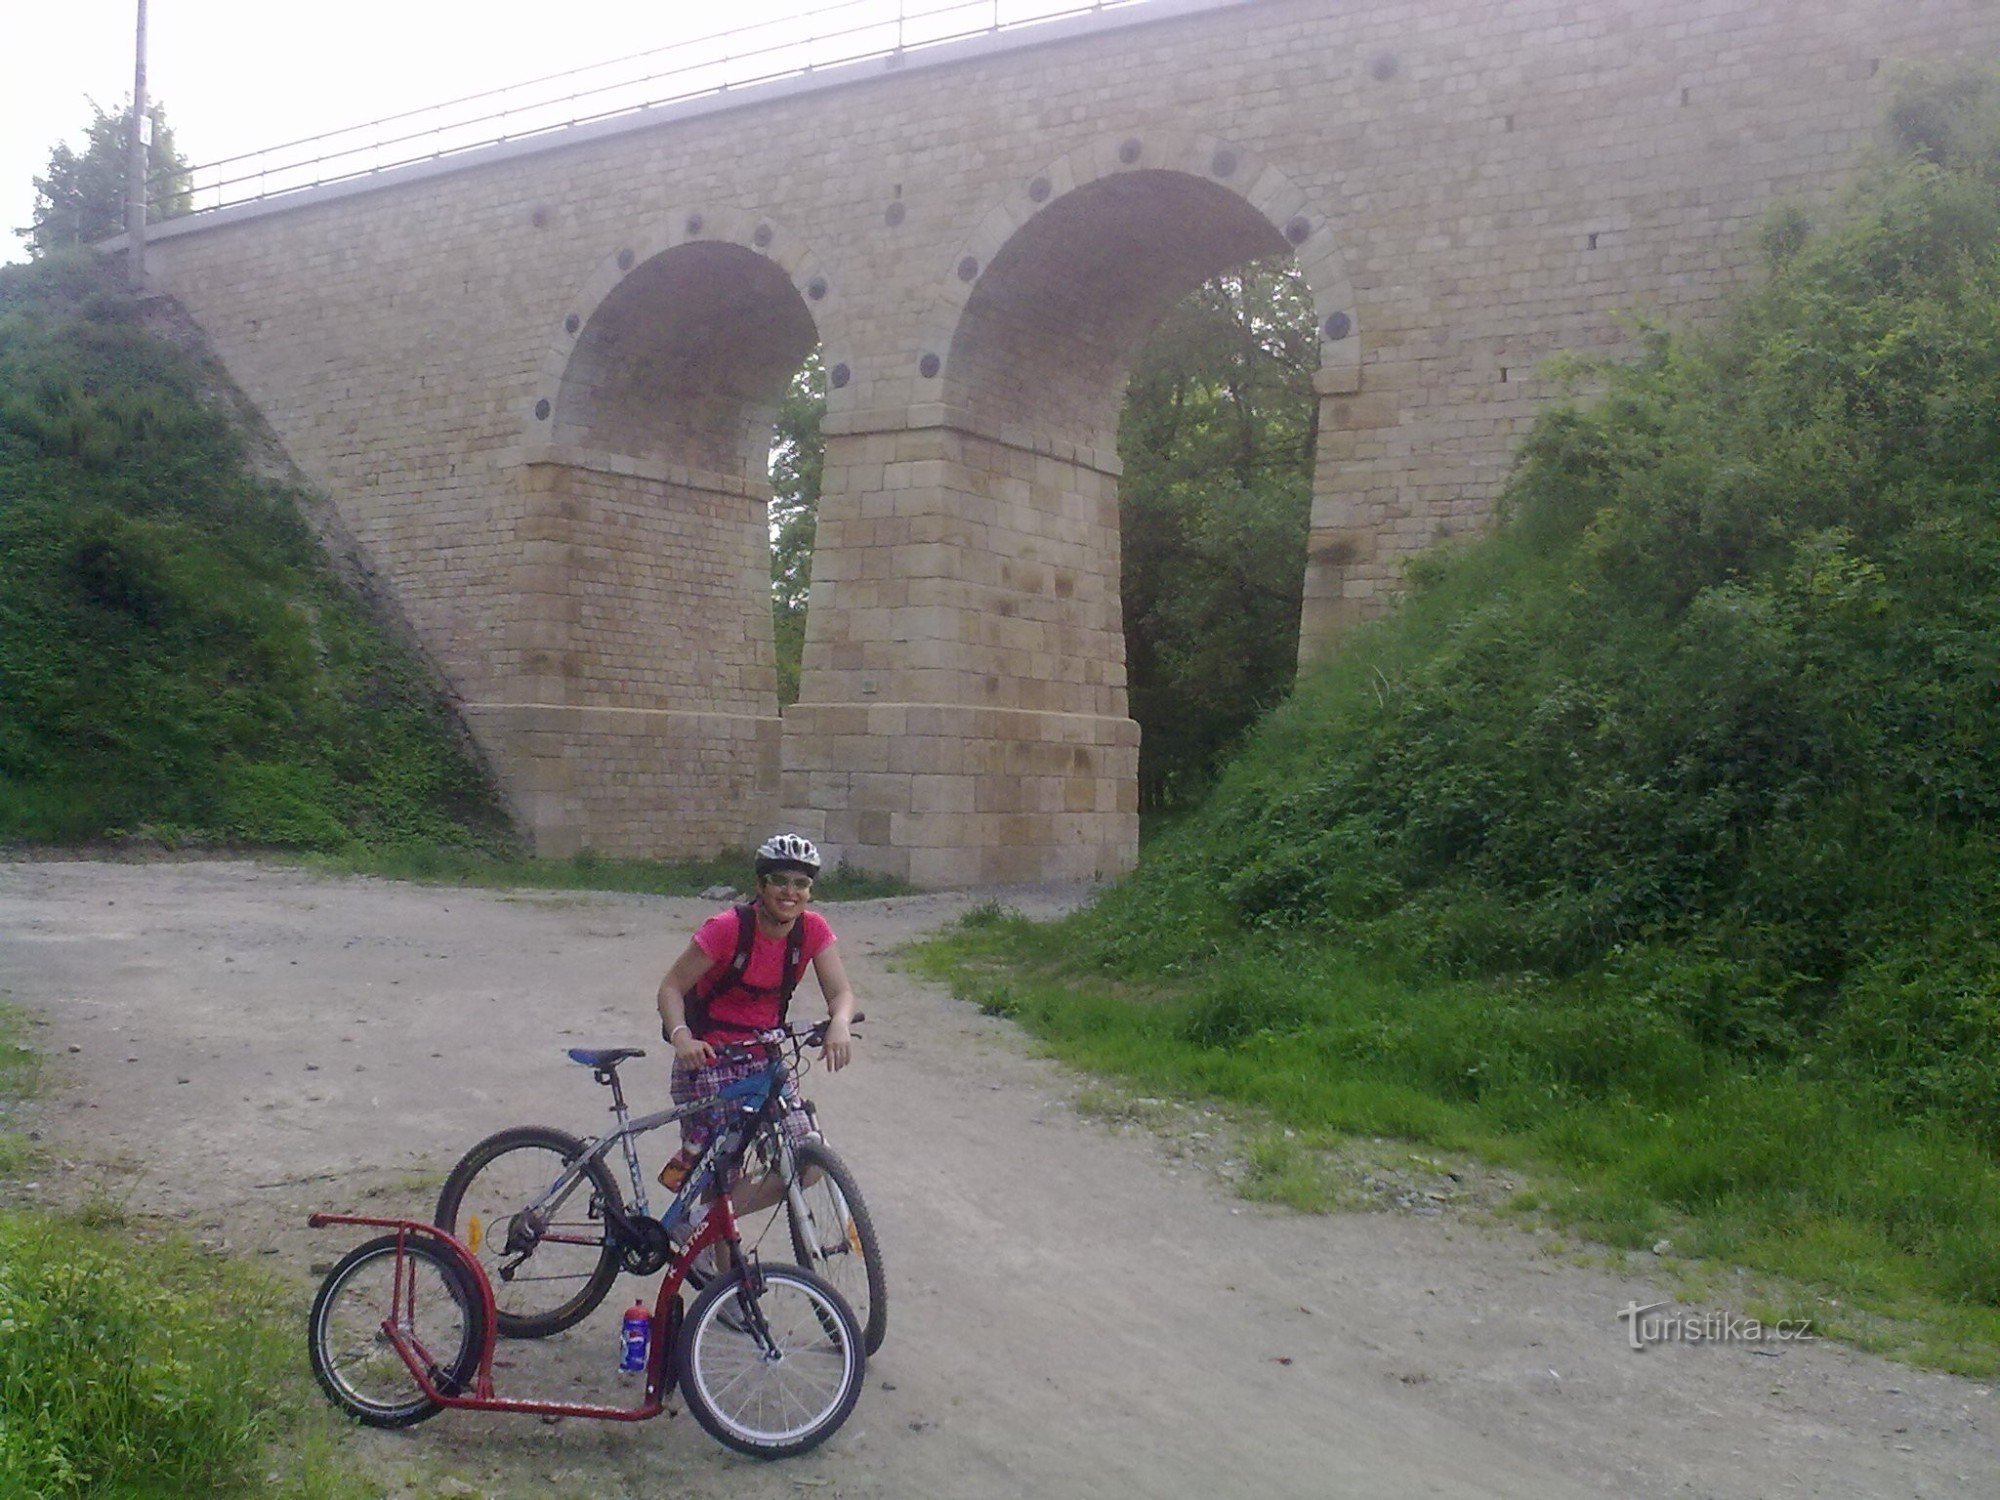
(1074, 1312)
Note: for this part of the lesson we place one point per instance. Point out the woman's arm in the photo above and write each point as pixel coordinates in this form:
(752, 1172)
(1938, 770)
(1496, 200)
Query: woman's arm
(681, 978)
(832, 977)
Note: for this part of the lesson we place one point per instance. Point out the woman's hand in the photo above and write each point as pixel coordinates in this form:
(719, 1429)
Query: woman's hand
(691, 1049)
(838, 1048)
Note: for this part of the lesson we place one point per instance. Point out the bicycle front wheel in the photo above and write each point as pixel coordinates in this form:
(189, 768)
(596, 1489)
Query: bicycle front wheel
(435, 1309)
(833, 1236)
(773, 1373)
(549, 1255)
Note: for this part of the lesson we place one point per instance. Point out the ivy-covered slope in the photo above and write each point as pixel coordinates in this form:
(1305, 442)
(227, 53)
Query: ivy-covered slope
(177, 659)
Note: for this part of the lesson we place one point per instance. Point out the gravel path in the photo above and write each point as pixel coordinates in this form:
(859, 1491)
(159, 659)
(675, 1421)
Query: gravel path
(1075, 1310)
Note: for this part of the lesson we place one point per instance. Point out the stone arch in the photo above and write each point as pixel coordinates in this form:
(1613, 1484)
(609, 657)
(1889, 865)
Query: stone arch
(1230, 205)
(964, 713)
(646, 715)
(735, 262)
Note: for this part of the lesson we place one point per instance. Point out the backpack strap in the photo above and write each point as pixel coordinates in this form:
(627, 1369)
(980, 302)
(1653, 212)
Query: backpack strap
(795, 965)
(728, 976)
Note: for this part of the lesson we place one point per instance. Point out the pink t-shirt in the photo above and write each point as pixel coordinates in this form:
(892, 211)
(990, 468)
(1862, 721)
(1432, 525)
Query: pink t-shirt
(753, 1005)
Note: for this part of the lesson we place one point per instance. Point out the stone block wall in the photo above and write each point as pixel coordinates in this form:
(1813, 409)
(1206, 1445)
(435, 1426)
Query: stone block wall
(964, 569)
(644, 585)
(945, 795)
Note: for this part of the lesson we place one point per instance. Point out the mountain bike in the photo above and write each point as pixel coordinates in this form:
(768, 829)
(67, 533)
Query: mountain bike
(542, 1209)
(770, 1359)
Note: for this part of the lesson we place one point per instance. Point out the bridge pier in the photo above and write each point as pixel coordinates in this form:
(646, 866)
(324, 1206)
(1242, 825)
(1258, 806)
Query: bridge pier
(963, 711)
(634, 708)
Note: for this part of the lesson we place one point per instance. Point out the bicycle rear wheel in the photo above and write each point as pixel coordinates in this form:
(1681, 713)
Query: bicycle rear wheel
(788, 1386)
(834, 1237)
(438, 1311)
(550, 1269)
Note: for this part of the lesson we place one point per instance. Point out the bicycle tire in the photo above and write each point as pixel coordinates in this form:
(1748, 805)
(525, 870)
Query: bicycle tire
(843, 1249)
(555, 1284)
(352, 1358)
(781, 1401)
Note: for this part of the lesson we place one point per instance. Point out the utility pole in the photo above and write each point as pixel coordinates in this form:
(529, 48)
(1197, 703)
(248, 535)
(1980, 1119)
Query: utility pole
(135, 168)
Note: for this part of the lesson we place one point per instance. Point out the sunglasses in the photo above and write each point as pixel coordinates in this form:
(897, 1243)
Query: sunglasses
(789, 882)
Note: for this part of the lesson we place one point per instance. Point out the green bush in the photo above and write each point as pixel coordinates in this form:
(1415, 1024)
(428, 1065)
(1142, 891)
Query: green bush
(121, 1377)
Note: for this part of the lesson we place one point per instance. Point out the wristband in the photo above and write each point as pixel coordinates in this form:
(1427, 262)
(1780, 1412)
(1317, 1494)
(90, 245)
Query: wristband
(682, 1027)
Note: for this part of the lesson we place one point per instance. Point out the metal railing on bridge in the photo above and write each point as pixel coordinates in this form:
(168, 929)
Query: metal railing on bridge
(792, 47)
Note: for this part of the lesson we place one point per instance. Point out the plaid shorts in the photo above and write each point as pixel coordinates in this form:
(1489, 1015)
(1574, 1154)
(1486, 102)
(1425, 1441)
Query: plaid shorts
(694, 1083)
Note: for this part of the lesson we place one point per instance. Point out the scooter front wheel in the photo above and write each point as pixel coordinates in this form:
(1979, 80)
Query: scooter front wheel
(770, 1361)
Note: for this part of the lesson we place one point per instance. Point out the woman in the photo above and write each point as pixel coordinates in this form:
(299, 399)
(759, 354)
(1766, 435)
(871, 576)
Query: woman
(736, 979)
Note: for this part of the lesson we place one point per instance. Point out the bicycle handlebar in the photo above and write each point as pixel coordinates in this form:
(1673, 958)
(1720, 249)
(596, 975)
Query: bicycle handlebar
(785, 1035)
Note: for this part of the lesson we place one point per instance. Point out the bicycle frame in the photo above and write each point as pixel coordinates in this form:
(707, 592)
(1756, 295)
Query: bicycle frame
(762, 1087)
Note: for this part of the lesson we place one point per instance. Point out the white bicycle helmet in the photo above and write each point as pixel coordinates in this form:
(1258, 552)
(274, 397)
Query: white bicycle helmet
(787, 851)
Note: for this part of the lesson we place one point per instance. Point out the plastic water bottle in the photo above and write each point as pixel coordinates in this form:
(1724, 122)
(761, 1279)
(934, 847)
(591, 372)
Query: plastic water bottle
(638, 1328)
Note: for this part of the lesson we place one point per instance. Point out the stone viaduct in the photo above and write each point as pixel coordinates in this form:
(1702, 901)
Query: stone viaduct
(538, 378)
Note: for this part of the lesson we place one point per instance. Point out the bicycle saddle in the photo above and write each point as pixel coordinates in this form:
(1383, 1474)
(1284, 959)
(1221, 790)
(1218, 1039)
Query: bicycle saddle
(604, 1057)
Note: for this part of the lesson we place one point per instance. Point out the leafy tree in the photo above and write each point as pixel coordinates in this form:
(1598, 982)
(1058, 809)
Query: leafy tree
(1217, 441)
(82, 199)
(797, 458)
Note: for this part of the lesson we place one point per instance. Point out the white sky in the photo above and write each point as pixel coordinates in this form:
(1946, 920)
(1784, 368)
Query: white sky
(237, 75)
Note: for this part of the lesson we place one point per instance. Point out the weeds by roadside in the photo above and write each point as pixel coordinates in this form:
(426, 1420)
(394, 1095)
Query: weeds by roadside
(134, 1364)
(1881, 1228)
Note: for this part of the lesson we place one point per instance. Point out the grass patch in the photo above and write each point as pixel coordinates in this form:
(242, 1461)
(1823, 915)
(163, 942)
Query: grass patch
(1281, 1168)
(1881, 1226)
(18, 1065)
(134, 1364)
(139, 1366)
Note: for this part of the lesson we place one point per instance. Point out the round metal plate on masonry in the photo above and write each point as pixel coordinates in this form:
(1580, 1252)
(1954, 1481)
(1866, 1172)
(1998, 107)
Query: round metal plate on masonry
(1223, 164)
(572, 323)
(893, 214)
(968, 268)
(1338, 326)
(542, 410)
(1129, 151)
(929, 365)
(761, 236)
(625, 259)
(1383, 66)
(1299, 230)
(1039, 190)
(816, 288)
(693, 225)
(840, 375)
